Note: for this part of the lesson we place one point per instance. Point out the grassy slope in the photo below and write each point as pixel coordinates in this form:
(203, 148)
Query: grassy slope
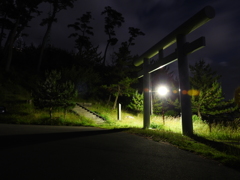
(222, 144)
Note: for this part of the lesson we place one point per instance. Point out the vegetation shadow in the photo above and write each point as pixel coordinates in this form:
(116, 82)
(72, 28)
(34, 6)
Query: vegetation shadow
(13, 141)
(222, 147)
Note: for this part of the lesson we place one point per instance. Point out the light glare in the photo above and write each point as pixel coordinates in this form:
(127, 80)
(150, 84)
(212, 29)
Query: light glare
(162, 90)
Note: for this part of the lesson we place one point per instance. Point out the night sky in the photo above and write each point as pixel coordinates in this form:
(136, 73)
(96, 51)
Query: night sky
(157, 18)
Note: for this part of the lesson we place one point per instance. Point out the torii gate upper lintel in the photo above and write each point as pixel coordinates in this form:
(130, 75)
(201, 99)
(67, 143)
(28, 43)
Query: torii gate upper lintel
(183, 49)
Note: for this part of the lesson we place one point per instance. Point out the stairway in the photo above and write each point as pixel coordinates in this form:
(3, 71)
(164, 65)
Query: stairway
(83, 111)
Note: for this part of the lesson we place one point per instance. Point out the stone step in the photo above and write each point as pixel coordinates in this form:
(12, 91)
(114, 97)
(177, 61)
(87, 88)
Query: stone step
(80, 110)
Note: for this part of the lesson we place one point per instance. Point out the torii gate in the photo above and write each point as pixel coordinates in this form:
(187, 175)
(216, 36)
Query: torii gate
(183, 49)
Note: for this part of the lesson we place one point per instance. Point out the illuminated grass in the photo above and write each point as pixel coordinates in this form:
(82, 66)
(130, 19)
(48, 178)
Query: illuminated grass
(221, 144)
(26, 114)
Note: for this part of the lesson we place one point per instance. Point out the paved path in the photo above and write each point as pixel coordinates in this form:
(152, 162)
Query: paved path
(85, 153)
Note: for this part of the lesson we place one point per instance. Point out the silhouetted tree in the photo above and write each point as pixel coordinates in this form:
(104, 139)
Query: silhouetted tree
(134, 32)
(113, 19)
(82, 26)
(5, 23)
(53, 93)
(237, 97)
(121, 88)
(16, 17)
(209, 99)
(57, 6)
(122, 66)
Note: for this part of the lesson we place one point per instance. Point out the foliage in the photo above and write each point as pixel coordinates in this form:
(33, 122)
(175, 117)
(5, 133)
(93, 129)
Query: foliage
(202, 75)
(57, 6)
(52, 93)
(172, 113)
(82, 40)
(134, 32)
(156, 126)
(136, 103)
(121, 75)
(195, 117)
(113, 19)
(11, 92)
(14, 17)
(56, 58)
(237, 96)
(121, 88)
(210, 100)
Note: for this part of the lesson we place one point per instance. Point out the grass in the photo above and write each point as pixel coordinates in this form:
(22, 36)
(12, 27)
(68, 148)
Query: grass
(22, 113)
(221, 144)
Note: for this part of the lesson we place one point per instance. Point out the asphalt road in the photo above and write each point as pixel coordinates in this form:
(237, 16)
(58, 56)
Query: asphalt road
(86, 153)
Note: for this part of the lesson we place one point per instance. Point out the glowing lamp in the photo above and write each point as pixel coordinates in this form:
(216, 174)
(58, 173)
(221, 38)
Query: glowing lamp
(162, 90)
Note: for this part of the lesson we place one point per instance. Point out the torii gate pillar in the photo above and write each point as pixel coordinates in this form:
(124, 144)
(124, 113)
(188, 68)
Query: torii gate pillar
(146, 94)
(184, 84)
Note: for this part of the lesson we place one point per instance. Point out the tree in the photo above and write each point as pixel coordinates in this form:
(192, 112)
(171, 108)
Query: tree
(82, 40)
(202, 75)
(121, 88)
(136, 103)
(67, 94)
(5, 23)
(52, 93)
(209, 99)
(87, 57)
(113, 19)
(134, 32)
(237, 96)
(57, 6)
(160, 106)
(123, 58)
(122, 66)
(16, 17)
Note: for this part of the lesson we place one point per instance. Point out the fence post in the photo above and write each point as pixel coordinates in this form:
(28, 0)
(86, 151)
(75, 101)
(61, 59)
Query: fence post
(119, 112)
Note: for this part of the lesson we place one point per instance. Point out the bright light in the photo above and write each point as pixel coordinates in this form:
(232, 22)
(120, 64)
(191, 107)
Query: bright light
(162, 90)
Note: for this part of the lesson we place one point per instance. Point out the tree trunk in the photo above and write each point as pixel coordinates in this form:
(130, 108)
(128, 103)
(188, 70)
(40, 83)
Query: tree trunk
(105, 53)
(50, 112)
(44, 41)
(199, 114)
(2, 31)
(116, 98)
(9, 45)
(109, 98)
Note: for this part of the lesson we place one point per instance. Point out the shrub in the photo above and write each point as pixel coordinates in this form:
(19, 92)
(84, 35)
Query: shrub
(195, 118)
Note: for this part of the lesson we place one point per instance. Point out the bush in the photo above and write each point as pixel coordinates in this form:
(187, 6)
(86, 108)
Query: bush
(156, 126)
(195, 118)
(171, 113)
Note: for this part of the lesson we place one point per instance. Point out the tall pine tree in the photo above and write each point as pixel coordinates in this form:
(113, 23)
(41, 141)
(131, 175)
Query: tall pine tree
(53, 93)
(209, 100)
